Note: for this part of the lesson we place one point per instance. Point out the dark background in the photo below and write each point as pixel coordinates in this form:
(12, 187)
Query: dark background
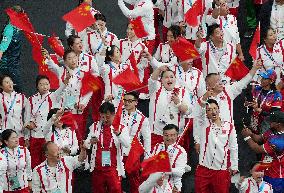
(46, 18)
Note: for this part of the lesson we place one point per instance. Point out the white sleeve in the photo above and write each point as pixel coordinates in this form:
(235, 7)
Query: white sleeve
(53, 67)
(56, 95)
(179, 169)
(146, 133)
(72, 162)
(244, 186)
(84, 100)
(156, 64)
(91, 134)
(157, 54)
(149, 184)
(123, 138)
(201, 87)
(203, 48)
(28, 164)
(36, 184)
(68, 30)
(180, 11)
(233, 145)
(153, 86)
(198, 122)
(75, 147)
(94, 67)
(210, 20)
(236, 88)
(136, 12)
(47, 129)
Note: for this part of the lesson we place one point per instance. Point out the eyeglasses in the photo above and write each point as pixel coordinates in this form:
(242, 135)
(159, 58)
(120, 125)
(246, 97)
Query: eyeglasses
(129, 100)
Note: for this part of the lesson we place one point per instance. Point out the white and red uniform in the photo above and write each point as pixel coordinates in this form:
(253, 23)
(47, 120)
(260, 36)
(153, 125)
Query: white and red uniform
(108, 72)
(218, 153)
(249, 185)
(36, 111)
(51, 179)
(277, 20)
(62, 137)
(143, 9)
(3, 168)
(18, 169)
(165, 54)
(106, 159)
(11, 109)
(126, 47)
(178, 160)
(93, 43)
(216, 60)
(272, 59)
(72, 94)
(163, 111)
(171, 15)
(184, 6)
(233, 6)
(138, 125)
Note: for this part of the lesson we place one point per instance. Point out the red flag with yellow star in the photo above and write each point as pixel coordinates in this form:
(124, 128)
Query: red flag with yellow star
(184, 49)
(255, 42)
(237, 70)
(55, 45)
(133, 160)
(138, 27)
(191, 15)
(91, 83)
(20, 20)
(80, 17)
(156, 163)
(117, 117)
(128, 80)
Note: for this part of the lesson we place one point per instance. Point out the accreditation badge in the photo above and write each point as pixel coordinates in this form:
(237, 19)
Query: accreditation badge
(106, 161)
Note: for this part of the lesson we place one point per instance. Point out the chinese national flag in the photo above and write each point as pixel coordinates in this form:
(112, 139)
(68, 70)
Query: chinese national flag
(35, 39)
(255, 42)
(116, 120)
(91, 83)
(191, 15)
(133, 160)
(156, 163)
(53, 79)
(237, 70)
(80, 17)
(184, 49)
(56, 46)
(133, 64)
(128, 80)
(20, 20)
(138, 27)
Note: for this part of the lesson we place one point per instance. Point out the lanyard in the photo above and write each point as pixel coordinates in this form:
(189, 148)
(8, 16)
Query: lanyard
(133, 120)
(19, 157)
(263, 100)
(270, 56)
(12, 104)
(102, 138)
(215, 53)
(101, 43)
(49, 176)
(58, 135)
(261, 187)
(41, 104)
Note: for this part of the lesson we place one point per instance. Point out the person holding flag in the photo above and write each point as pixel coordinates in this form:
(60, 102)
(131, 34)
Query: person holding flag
(144, 10)
(106, 141)
(216, 139)
(36, 113)
(177, 157)
(270, 145)
(131, 50)
(169, 103)
(10, 50)
(138, 126)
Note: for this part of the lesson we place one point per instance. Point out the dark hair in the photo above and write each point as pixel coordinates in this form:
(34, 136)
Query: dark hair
(210, 75)
(100, 16)
(39, 78)
(52, 112)
(265, 31)
(2, 77)
(6, 134)
(45, 146)
(211, 29)
(109, 53)
(210, 101)
(168, 70)
(66, 52)
(170, 127)
(80, 2)
(134, 94)
(175, 29)
(71, 40)
(107, 107)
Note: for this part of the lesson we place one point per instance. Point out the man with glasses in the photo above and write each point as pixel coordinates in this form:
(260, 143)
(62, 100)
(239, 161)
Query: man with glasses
(138, 125)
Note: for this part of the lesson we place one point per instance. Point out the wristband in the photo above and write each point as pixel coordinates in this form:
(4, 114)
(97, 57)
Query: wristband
(247, 138)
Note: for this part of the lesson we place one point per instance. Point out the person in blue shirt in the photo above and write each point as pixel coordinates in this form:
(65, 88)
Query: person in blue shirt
(10, 51)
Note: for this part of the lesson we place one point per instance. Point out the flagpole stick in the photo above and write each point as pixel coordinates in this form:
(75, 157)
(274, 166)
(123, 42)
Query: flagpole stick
(183, 133)
(139, 88)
